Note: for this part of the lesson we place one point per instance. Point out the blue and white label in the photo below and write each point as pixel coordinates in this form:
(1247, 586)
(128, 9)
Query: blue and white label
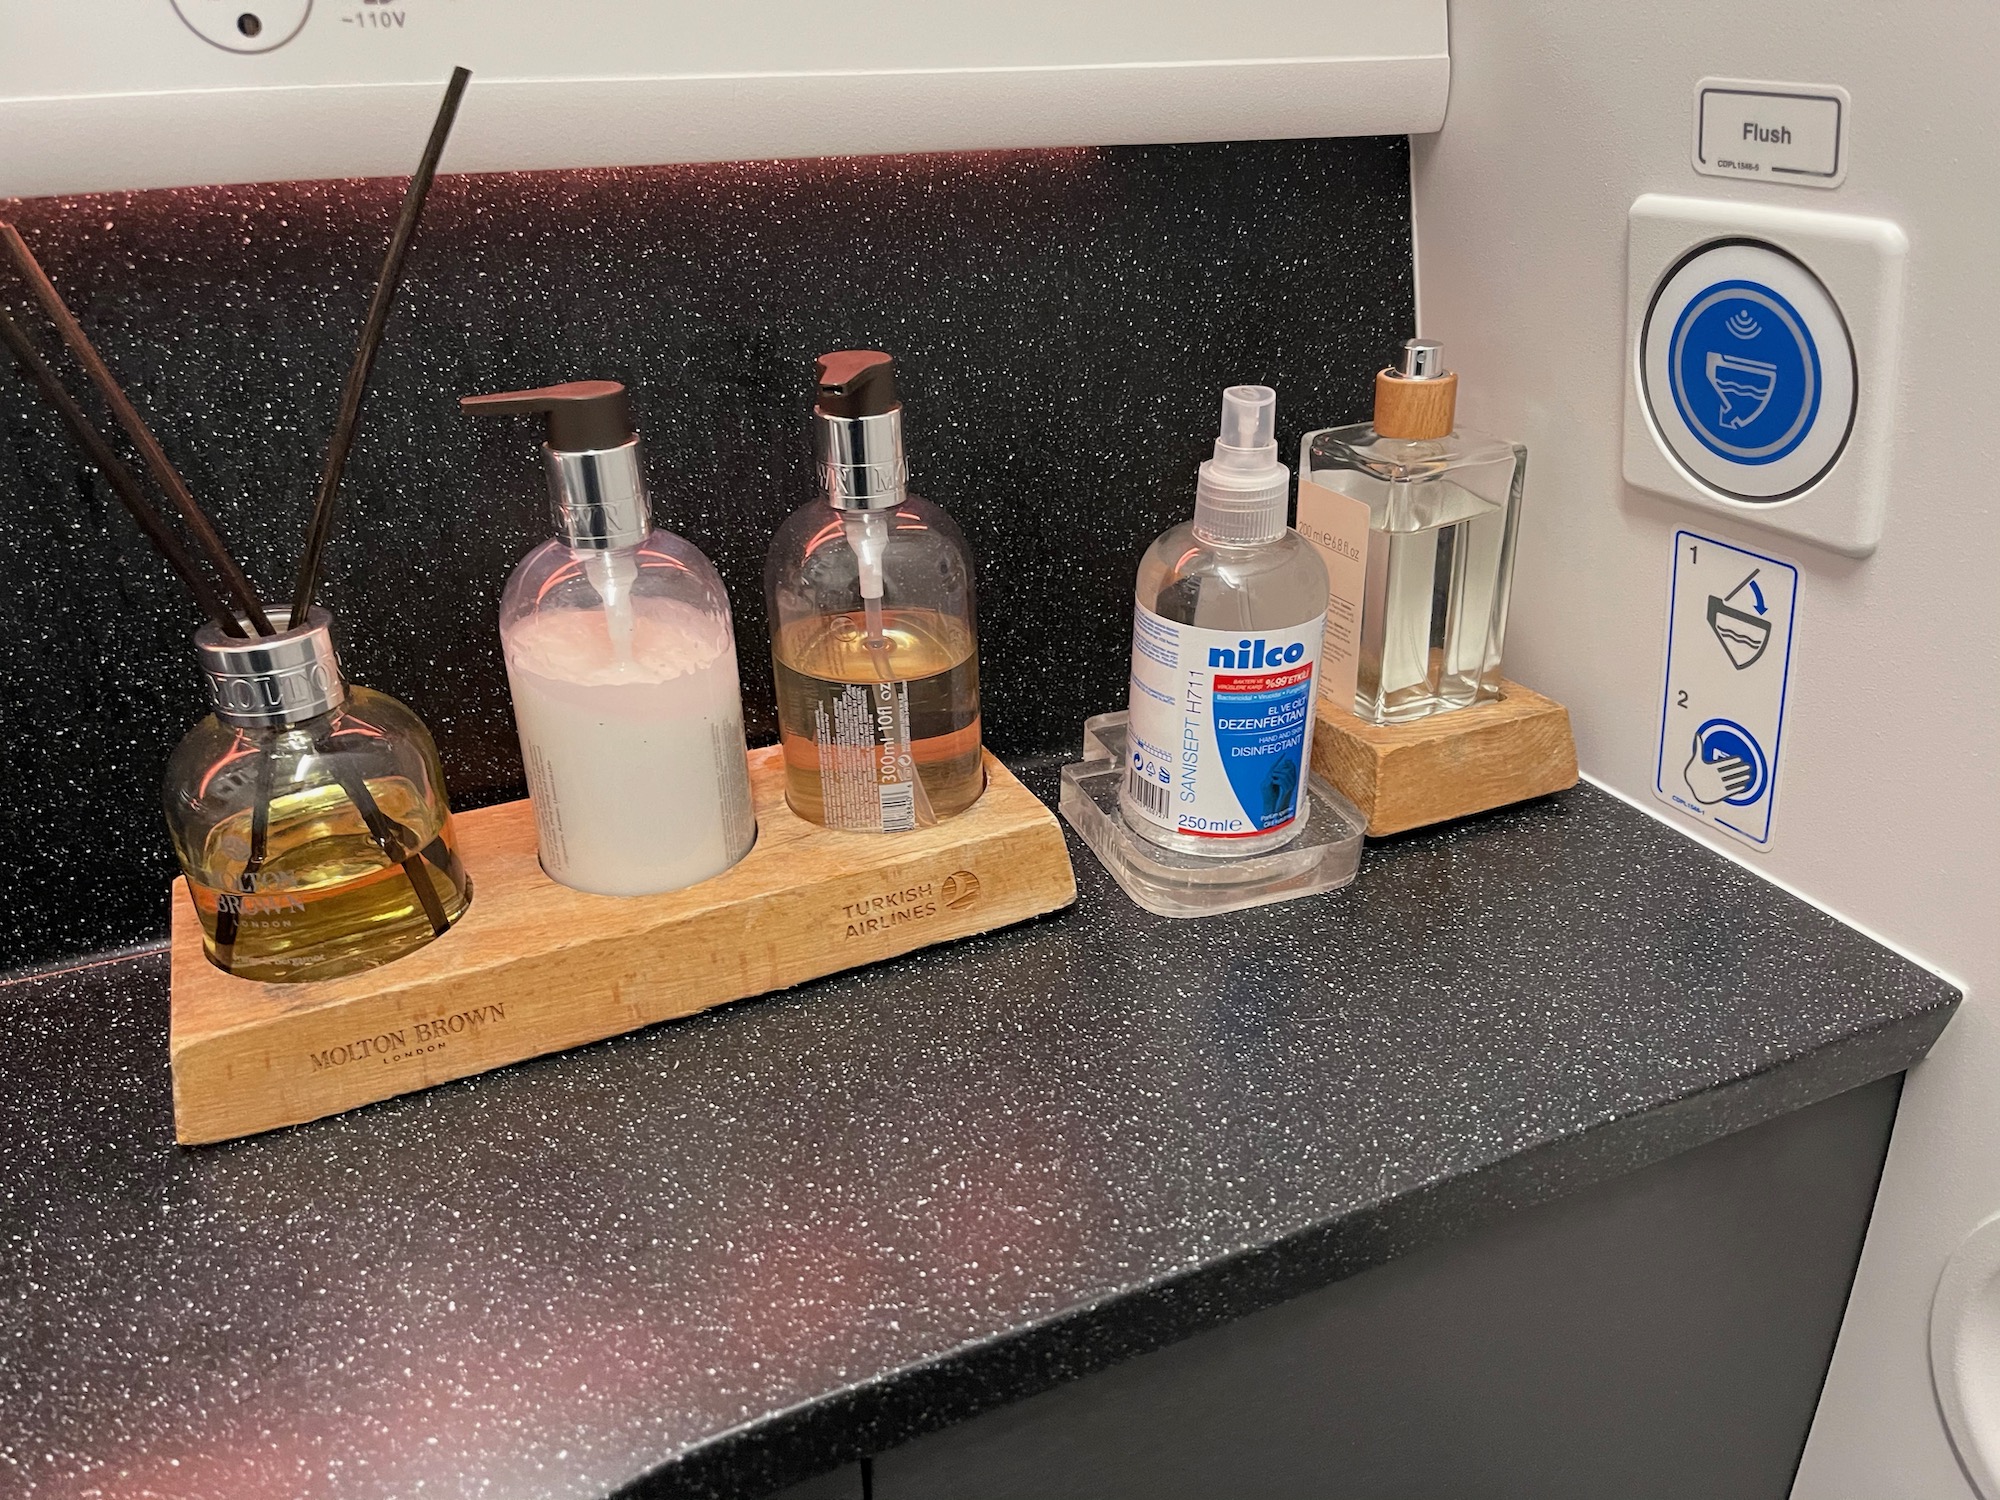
(1220, 732)
(1729, 655)
(1747, 372)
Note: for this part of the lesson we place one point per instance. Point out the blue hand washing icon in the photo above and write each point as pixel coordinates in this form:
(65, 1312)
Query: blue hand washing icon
(1746, 374)
(1726, 764)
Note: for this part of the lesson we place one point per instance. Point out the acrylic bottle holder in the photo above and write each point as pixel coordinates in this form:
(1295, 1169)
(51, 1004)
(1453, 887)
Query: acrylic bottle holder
(1323, 857)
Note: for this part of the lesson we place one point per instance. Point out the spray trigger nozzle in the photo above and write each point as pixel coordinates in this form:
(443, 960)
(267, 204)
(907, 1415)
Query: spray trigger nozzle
(1239, 495)
(1249, 436)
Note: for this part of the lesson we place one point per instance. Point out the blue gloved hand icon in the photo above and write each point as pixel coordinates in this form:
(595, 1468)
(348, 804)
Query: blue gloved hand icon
(1713, 781)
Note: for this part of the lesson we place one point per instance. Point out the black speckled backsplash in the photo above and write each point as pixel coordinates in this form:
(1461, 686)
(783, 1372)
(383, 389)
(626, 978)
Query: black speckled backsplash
(1064, 321)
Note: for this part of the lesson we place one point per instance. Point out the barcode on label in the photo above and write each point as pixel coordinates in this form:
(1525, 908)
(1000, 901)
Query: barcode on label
(1149, 794)
(899, 807)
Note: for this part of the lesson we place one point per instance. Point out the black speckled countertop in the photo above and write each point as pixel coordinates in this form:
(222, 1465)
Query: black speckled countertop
(727, 1252)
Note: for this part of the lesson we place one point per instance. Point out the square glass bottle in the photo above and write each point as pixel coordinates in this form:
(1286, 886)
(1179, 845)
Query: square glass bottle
(1443, 509)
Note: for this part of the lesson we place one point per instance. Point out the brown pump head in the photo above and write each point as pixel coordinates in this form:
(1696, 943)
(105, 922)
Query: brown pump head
(583, 415)
(856, 383)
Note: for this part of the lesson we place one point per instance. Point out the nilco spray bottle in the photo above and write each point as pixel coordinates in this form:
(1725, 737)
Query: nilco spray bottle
(1226, 634)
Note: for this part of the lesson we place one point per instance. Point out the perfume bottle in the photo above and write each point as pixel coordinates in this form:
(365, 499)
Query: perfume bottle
(622, 663)
(1229, 614)
(308, 815)
(872, 633)
(1443, 509)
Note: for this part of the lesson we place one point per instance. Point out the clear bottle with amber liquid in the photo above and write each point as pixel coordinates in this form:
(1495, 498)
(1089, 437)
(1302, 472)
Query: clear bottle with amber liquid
(309, 815)
(873, 637)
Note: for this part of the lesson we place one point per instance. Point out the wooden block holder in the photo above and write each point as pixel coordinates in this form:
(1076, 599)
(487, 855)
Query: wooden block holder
(1449, 765)
(535, 967)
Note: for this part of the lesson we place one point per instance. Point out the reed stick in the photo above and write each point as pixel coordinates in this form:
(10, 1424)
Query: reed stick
(121, 479)
(397, 841)
(229, 919)
(241, 591)
(321, 525)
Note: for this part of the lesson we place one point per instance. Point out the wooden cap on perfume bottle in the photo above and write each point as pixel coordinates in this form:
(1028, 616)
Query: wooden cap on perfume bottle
(1420, 398)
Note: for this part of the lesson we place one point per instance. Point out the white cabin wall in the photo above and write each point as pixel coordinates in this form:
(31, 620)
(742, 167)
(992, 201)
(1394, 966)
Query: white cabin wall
(1561, 113)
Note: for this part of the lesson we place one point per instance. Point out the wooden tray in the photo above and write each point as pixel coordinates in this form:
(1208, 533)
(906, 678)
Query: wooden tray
(1449, 765)
(535, 967)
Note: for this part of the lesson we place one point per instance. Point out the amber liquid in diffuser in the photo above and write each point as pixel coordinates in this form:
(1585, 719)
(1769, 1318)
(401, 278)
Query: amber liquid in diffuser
(842, 701)
(324, 902)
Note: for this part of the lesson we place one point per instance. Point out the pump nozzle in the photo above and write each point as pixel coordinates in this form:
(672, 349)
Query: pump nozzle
(855, 383)
(583, 415)
(858, 430)
(597, 496)
(1240, 496)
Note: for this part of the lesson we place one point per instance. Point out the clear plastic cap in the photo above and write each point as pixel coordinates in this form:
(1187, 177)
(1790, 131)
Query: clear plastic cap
(1241, 492)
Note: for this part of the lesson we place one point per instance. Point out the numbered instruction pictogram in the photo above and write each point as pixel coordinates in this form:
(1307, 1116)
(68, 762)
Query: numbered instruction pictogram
(1729, 656)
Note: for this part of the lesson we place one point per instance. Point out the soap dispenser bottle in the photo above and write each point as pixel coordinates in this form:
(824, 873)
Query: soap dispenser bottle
(622, 664)
(872, 634)
(1229, 613)
(1443, 509)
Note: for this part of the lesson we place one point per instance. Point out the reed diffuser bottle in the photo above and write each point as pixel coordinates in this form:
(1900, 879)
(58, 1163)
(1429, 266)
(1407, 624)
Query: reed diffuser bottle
(872, 634)
(308, 815)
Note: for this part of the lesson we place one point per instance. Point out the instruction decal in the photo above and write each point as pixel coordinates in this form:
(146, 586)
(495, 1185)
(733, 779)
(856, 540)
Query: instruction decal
(1729, 660)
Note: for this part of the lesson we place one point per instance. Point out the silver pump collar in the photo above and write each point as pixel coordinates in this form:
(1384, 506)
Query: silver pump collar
(597, 497)
(861, 463)
(272, 681)
(1421, 359)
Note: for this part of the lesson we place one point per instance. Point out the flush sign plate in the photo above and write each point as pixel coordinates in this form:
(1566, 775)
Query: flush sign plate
(1793, 133)
(1761, 348)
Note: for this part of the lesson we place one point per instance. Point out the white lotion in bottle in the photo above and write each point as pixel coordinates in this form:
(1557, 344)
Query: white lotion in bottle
(622, 664)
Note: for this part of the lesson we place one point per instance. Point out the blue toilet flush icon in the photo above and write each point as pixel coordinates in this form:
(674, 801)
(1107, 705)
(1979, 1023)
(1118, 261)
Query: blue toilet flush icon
(1750, 381)
(1746, 374)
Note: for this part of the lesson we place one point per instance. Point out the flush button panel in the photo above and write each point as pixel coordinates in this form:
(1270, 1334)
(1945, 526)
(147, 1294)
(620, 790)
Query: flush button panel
(1761, 364)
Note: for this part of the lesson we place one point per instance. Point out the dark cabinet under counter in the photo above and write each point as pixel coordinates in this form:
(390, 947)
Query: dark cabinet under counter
(1661, 1334)
(1554, 1128)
